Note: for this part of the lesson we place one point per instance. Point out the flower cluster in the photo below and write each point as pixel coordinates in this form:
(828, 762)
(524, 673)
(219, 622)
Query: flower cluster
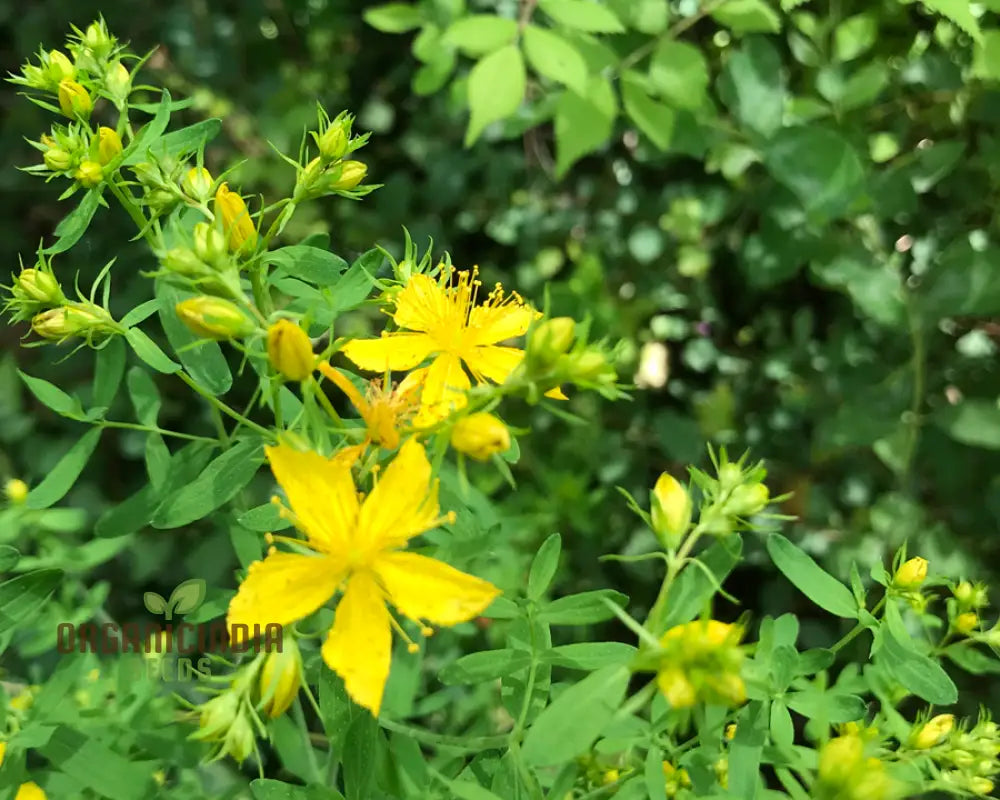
(700, 662)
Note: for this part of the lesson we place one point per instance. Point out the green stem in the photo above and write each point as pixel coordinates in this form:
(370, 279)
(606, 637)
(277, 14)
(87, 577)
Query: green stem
(857, 629)
(529, 687)
(471, 744)
(128, 203)
(673, 32)
(229, 412)
(135, 426)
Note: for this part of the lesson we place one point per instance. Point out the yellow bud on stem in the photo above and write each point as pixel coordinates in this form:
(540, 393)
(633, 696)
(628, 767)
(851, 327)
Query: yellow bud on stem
(670, 509)
(235, 218)
(932, 732)
(74, 100)
(109, 144)
(290, 351)
(351, 174)
(911, 574)
(281, 678)
(17, 492)
(89, 173)
(480, 435)
(213, 318)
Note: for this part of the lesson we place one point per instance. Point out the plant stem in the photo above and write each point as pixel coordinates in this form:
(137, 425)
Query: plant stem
(135, 426)
(229, 412)
(673, 32)
(471, 744)
(300, 720)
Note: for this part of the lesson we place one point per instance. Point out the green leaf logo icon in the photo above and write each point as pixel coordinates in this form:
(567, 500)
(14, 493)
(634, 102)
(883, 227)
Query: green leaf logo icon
(183, 600)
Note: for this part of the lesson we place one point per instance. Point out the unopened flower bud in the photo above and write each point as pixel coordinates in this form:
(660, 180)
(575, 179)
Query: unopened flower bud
(209, 244)
(183, 261)
(218, 716)
(670, 509)
(197, 183)
(30, 791)
(351, 174)
(74, 100)
(89, 173)
(74, 319)
(550, 339)
(480, 435)
(281, 678)
(161, 201)
(932, 732)
(911, 573)
(38, 286)
(981, 786)
(591, 365)
(98, 39)
(118, 82)
(239, 740)
(730, 476)
(57, 159)
(60, 68)
(730, 732)
(16, 491)
(610, 776)
(747, 499)
(964, 593)
(332, 142)
(676, 688)
(290, 351)
(235, 218)
(214, 318)
(109, 144)
(967, 622)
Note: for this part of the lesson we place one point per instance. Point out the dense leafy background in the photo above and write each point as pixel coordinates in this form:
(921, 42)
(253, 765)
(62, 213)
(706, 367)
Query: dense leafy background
(801, 204)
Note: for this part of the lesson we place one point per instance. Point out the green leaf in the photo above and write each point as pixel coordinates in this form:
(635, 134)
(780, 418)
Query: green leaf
(221, 480)
(394, 17)
(973, 661)
(263, 518)
(94, 766)
(679, 73)
(63, 475)
(8, 557)
(150, 132)
(589, 655)
(319, 267)
(466, 790)
(828, 707)
(576, 718)
(485, 665)
(581, 609)
(495, 89)
(553, 57)
(918, 674)
(355, 284)
(819, 165)
(22, 597)
(360, 765)
(543, 566)
(747, 16)
(987, 61)
(654, 119)
(752, 86)
(962, 281)
(52, 397)
(855, 36)
(205, 362)
(108, 372)
(582, 15)
(269, 789)
(957, 11)
(972, 421)
(145, 397)
(583, 123)
(694, 589)
(150, 352)
(810, 579)
(480, 34)
(75, 224)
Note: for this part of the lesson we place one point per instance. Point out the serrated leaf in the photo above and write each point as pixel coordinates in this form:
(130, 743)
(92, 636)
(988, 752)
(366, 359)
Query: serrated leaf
(495, 89)
(959, 12)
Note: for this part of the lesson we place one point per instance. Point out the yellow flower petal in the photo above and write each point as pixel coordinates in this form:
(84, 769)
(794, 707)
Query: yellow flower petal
(394, 351)
(30, 791)
(424, 588)
(402, 505)
(423, 305)
(493, 363)
(321, 493)
(342, 382)
(359, 646)
(444, 390)
(489, 324)
(284, 588)
(556, 394)
(348, 455)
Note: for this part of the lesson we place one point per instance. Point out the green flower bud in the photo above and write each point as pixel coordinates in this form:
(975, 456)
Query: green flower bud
(183, 261)
(218, 715)
(351, 174)
(550, 339)
(75, 319)
(118, 82)
(209, 244)
(747, 499)
(38, 286)
(98, 40)
(161, 201)
(591, 365)
(239, 740)
(932, 732)
(281, 678)
(198, 183)
(214, 318)
(333, 141)
(59, 68)
(730, 476)
(57, 159)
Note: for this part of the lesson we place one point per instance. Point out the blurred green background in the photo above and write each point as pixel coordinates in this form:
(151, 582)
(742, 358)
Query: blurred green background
(838, 318)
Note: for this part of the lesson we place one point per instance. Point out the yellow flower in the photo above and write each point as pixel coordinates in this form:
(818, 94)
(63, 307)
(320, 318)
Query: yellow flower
(289, 350)
(17, 492)
(74, 100)
(109, 144)
(911, 574)
(701, 662)
(235, 217)
(967, 622)
(358, 548)
(480, 435)
(932, 732)
(443, 322)
(385, 410)
(3, 752)
(89, 174)
(30, 791)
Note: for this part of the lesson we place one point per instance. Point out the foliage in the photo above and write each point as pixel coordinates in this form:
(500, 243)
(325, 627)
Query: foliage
(818, 265)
